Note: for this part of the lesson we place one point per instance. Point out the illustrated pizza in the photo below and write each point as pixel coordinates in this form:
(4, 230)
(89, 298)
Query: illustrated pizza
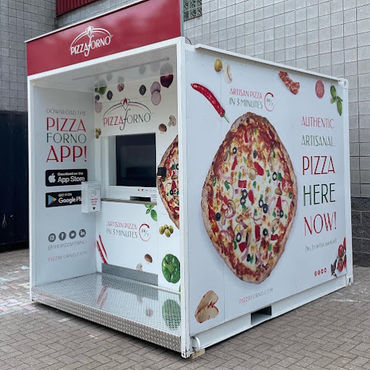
(249, 198)
(167, 181)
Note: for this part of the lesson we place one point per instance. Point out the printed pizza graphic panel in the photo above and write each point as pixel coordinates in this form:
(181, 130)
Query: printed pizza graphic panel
(168, 181)
(249, 198)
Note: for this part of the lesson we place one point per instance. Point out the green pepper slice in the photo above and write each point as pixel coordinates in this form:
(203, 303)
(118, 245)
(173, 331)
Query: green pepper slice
(171, 313)
(171, 268)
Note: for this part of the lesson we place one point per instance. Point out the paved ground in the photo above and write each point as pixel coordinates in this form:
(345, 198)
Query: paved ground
(330, 333)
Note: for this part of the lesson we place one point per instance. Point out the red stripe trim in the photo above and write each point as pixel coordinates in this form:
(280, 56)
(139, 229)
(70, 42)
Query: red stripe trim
(100, 252)
(65, 6)
(102, 245)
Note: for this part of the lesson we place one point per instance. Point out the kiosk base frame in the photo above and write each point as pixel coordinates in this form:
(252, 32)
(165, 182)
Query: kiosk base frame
(73, 296)
(243, 323)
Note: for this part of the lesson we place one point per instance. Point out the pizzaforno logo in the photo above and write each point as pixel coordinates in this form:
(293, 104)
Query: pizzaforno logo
(126, 111)
(90, 39)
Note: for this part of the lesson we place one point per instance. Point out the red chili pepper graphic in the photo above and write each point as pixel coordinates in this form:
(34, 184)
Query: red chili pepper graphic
(211, 98)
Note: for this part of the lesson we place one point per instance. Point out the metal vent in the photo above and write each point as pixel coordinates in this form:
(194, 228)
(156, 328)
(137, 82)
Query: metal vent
(192, 9)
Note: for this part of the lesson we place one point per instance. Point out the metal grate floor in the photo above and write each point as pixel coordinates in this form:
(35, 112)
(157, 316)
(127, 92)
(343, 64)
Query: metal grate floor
(127, 299)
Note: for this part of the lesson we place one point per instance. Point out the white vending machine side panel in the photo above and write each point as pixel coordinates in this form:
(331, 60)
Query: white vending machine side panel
(240, 186)
(61, 157)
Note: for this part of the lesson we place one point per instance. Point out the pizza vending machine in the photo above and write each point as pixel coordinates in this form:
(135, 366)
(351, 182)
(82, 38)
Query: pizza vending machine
(180, 193)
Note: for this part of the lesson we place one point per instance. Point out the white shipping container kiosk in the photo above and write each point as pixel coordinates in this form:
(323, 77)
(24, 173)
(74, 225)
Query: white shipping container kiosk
(113, 253)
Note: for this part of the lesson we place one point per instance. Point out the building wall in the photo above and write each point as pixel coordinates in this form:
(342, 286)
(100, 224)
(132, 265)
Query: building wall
(327, 36)
(19, 21)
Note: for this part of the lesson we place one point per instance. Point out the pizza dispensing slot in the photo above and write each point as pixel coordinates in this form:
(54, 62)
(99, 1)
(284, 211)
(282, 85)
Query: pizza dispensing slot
(161, 172)
(141, 199)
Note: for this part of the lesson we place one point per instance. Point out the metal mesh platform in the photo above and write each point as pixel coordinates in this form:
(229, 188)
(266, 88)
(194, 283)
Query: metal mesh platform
(134, 308)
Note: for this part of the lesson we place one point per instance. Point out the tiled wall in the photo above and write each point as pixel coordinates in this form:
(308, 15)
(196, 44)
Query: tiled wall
(19, 21)
(328, 36)
(361, 230)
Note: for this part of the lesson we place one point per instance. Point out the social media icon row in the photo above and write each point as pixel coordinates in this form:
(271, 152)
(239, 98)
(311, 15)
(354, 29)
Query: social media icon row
(63, 235)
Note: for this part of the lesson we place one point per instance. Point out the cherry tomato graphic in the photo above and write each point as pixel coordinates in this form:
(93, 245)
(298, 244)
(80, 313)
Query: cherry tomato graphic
(340, 265)
(341, 251)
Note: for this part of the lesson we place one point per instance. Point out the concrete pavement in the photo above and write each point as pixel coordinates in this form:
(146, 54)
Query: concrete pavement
(330, 333)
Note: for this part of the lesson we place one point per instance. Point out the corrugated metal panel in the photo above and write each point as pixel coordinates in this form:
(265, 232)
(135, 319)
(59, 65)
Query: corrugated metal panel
(64, 6)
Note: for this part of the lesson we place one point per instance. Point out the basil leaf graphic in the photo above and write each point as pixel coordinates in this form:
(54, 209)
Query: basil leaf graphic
(153, 213)
(333, 91)
(339, 106)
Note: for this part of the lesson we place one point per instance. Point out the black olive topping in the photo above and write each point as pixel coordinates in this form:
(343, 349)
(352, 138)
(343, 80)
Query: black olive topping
(177, 166)
(265, 208)
(243, 201)
(260, 203)
(244, 193)
(97, 97)
(281, 213)
(254, 153)
(238, 237)
(142, 89)
(171, 192)
(218, 216)
(248, 257)
(265, 232)
(274, 176)
(234, 150)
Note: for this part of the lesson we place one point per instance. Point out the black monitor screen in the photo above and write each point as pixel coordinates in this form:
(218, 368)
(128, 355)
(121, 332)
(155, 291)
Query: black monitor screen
(135, 160)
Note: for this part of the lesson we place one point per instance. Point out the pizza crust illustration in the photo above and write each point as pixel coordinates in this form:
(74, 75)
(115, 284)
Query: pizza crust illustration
(249, 198)
(168, 181)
